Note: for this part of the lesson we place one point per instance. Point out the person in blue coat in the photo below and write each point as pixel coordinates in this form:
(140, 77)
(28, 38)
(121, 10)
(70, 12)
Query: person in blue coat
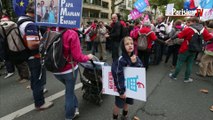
(127, 59)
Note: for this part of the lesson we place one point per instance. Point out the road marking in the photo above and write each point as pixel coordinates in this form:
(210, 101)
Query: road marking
(31, 107)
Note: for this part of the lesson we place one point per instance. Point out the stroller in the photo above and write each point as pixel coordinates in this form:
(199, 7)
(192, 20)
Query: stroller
(92, 80)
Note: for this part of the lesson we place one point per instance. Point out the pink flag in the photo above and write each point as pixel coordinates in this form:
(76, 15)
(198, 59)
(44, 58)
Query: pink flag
(135, 14)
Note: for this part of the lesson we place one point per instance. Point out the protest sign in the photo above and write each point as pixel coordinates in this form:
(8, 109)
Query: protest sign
(169, 9)
(135, 14)
(59, 13)
(135, 82)
(140, 5)
(207, 15)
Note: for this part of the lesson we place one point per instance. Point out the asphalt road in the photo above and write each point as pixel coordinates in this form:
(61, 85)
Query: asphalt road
(166, 99)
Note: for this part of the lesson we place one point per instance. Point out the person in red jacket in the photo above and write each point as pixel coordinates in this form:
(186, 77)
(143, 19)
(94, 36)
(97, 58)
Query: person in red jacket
(145, 54)
(184, 54)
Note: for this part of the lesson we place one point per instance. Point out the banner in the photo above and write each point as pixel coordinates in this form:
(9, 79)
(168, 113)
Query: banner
(59, 13)
(207, 15)
(140, 5)
(135, 82)
(206, 4)
(135, 14)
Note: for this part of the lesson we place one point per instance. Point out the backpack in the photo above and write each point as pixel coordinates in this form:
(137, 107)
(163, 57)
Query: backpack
(51, 50)
(16, 49)
(196, 43)
(142, 41)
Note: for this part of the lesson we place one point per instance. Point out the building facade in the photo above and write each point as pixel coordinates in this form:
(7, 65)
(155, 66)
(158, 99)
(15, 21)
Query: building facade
(96, 9)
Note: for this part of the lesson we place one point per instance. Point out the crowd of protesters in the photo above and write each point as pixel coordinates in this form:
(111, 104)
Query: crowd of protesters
(100, 37)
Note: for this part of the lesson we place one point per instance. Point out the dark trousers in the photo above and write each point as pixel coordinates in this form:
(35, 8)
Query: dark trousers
(37, 84)
(115, 50)
(157, 53)
(144, 56)
(173, 50)
(95, 47)
(89, 46)
(9, 66)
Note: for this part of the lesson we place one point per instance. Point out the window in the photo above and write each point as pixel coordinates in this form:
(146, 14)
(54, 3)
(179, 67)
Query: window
(104, 15)
(96, 2)
(105, 5)
(86, 1)
(85, 13)
(94, 14)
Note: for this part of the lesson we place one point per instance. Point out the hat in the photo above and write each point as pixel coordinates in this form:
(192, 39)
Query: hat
(5, 18)
(147, 23)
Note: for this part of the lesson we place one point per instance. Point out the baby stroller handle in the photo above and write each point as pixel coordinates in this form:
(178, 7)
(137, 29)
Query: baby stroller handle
(93, 64)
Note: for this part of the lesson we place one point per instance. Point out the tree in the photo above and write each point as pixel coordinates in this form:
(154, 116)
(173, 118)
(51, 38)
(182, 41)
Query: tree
(161, 3)
(114, 5)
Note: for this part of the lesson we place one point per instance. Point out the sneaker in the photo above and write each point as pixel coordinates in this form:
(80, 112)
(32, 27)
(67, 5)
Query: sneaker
(8, 75)
(46, 105)
(23, 80)
(171, 76)
(45, 90)
(189, 80)
(76, 115)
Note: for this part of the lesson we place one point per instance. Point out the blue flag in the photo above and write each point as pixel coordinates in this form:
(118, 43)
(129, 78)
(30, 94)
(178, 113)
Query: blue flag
(206, 4)
(140, 5)
(19, 6)
(186, 5)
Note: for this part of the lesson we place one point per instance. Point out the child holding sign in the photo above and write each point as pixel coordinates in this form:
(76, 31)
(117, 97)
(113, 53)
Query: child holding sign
(128, 59)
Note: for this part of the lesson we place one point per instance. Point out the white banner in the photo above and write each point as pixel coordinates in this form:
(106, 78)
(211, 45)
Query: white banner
(169, 9)
(207, 14)
(135, 82)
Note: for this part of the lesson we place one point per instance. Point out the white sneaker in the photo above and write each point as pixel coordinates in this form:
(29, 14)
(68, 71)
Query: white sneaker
(45, 90)
(46, 105)
(189, 80)
(8, 75)
(76, 115)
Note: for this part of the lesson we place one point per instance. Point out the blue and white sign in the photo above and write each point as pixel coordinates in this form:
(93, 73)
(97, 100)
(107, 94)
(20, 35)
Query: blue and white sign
(135, 82)
(59, 13)
(140, 5)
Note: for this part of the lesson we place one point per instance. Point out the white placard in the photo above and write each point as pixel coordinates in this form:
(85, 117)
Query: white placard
(169, 9)
(135, 82)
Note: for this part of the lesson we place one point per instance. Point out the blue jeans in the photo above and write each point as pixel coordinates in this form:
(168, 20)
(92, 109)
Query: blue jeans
(71, 101)
(37, 85)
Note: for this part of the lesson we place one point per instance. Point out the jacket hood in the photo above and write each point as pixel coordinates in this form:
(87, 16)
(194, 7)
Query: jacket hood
(197, 26)
(124, 52)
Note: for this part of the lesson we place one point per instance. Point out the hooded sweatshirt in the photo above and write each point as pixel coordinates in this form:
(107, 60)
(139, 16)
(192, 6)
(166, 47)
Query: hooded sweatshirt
(118, 69)
(187, 34)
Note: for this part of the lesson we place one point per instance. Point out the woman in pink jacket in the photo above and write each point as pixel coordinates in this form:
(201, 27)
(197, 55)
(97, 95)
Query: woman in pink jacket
(68, 74)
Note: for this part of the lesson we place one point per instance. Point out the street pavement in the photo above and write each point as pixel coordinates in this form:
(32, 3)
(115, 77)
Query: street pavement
(166, 99)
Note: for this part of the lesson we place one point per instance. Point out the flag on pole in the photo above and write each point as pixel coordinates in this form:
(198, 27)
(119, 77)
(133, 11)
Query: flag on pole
(192, 5)
(140, 5)
(19, 6)
(206, 4)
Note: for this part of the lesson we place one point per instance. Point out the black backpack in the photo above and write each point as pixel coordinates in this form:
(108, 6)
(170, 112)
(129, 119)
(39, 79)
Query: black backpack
(51, 50)
(196, 44)
(15, 48)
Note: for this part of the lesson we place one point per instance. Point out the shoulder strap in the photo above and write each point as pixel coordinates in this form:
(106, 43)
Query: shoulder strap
(149, 33)
(24, 20)
(199, 33)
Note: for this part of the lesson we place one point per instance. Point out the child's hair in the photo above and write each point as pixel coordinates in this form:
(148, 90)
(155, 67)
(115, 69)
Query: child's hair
(123, 49)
